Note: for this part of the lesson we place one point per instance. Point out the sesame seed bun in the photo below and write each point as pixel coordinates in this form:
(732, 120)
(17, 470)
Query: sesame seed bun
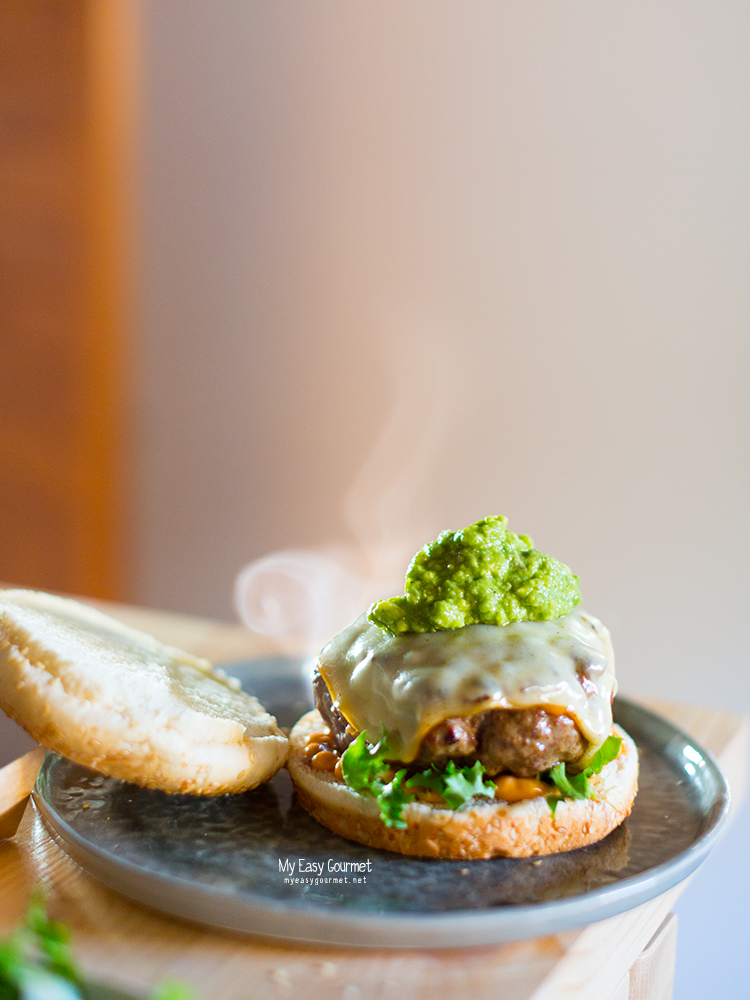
(117, 700)
(484, 830)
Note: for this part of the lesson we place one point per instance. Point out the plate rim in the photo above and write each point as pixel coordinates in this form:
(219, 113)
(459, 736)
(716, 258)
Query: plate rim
(287, 920)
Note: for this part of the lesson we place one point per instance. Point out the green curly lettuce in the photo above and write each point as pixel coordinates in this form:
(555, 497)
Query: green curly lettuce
(457, 785)
(576, 786)
(367, 769)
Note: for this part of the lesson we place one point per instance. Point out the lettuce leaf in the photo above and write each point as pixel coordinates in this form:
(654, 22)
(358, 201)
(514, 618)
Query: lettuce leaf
(572, 786)
(367, 769)
(576, 786)
(363, 763)
(457, 785)
(392, 800)
(432, 779)
(462, 784)
(364, 767)
(607, 752)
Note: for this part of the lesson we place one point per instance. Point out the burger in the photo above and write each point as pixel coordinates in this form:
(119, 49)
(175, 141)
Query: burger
(470, 717)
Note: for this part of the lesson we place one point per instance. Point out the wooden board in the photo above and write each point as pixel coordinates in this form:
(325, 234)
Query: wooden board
(124, 942)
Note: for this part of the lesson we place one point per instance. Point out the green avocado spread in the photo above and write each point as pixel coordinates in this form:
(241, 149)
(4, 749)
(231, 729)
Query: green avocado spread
(483, 574)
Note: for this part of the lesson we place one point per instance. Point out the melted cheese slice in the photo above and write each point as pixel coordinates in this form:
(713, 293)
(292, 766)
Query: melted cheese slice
(410, 683)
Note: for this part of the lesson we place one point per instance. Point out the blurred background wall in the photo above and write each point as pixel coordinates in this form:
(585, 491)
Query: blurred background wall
(403, 265)
(355, 273)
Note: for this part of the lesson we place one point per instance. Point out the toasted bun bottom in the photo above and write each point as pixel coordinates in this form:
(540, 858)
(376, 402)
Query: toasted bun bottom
(115, 699)
(495, 829)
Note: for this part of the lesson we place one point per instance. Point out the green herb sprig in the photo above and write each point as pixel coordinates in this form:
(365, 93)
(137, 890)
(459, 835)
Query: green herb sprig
(36, 959)
(37, 963)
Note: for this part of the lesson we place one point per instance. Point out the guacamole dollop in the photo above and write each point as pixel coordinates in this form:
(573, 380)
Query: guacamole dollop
(483, 574)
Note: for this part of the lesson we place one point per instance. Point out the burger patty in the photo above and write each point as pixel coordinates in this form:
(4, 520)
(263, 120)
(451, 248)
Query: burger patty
(341, 731)
(523, 741)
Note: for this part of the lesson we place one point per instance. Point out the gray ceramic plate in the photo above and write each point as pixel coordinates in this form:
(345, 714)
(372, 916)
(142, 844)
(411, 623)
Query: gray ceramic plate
(226, 862)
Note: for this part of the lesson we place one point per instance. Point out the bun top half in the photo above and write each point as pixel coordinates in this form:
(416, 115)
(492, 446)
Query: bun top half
(116, 699)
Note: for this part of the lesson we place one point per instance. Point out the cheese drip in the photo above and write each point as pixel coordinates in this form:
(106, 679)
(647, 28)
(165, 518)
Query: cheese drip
(410, 683)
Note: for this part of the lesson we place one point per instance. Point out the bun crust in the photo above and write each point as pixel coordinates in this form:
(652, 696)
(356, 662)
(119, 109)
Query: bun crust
(115, 699)
(494, 829)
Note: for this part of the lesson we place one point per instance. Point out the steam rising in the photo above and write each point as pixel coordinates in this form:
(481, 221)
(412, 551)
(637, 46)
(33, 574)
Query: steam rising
(303, 597)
